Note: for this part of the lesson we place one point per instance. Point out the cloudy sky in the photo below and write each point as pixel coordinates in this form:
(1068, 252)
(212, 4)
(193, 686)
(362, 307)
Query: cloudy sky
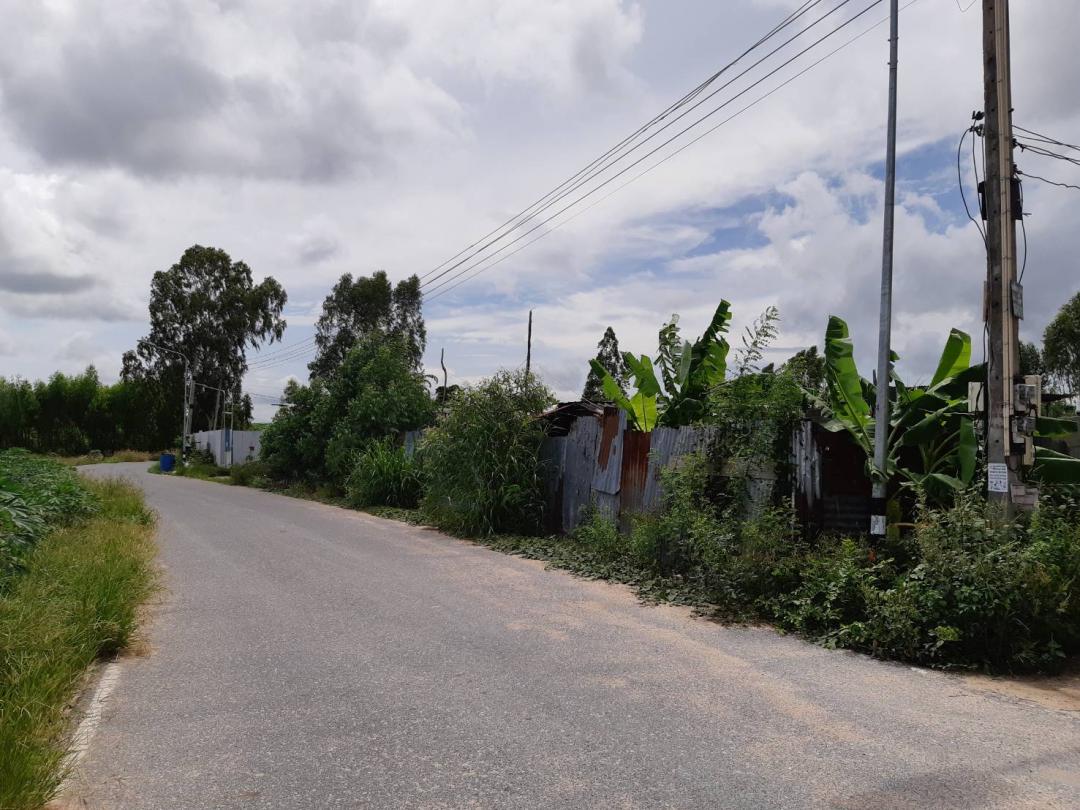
(317, 138)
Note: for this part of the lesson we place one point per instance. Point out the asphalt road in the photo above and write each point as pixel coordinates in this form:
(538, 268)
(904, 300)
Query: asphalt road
(311, 657)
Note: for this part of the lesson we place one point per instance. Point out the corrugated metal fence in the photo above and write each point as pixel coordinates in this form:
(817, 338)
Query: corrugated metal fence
(600, 463)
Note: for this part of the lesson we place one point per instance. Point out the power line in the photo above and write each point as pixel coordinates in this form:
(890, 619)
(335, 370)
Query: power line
(692, 94)
(593, 174)
(662, 145)
(1038, 150)
(1046, 138)
(296, 353)
(262, 357)
(1050, 182)
(712, 112)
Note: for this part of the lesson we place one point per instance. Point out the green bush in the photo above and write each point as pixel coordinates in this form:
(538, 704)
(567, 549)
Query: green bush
(384, 476)
(376, 391)
(481, 465)
(251, 474)
(36, 495)
(963, 589)
(977, 591)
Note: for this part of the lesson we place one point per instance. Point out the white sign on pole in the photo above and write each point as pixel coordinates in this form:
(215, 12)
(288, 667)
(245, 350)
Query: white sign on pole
(997, 477)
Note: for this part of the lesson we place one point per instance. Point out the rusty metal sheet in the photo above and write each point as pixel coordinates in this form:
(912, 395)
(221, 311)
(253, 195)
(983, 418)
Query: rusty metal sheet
(607, 478)
(635, 472)
(579, 464)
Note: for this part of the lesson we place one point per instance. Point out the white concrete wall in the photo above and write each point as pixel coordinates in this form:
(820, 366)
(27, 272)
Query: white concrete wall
(246, 445)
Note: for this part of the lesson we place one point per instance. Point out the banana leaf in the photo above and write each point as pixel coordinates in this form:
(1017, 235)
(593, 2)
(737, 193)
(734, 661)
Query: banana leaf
(1049, 427)
(1052, 467)
(644, 375)
(845, 385)
(955, 358)
(708, 366)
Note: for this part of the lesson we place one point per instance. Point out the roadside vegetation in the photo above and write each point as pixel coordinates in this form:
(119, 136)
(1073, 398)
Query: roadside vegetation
(78, 562)
(953, 585)
(117, 457)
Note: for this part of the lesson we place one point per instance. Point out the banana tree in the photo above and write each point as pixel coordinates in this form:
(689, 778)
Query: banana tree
(1052, 467)
(689, 372)
(931, 422)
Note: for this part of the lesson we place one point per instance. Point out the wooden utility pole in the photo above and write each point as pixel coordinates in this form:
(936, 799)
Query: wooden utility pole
(1004, 300)
(528, 348)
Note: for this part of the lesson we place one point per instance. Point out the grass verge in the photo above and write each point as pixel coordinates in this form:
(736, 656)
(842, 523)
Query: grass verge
(76, 600)
(118, 457)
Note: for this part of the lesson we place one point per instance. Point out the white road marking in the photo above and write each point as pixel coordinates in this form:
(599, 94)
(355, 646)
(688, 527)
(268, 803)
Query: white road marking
(89, 724)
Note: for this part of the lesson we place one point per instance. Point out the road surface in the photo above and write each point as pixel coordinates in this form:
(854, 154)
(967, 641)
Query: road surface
(311, 657)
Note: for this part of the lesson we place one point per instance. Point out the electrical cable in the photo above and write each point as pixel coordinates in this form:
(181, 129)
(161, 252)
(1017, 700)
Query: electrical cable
(1044, 180)
(261, 356)
(692, 94)
(613, 161)
(960, 179)
(1046, 138)
(297, 352)
(1023, 266)
(700, 136)
(1038, 150)
(664, 144)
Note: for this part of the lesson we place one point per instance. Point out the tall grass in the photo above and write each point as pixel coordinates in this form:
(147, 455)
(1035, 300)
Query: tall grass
(76, 600)
(481, 462)
(384, 476)
(117, 457)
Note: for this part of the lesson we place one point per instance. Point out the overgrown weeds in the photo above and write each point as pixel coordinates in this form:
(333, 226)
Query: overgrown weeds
(384, 476)
(75, 600)
(481, 465)
(117, 457)
(36, 496)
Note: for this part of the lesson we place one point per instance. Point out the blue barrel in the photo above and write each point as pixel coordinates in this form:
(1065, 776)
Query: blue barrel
(167, 462)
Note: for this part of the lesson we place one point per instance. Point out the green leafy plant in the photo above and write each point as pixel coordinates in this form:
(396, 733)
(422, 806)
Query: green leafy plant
(481, 460)
(689, 372)
(384, 476)
(929, 424)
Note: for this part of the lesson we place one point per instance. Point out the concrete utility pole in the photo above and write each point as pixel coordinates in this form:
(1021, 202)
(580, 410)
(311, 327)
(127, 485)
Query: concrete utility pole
(188, 398)
(189, 407)
(881, 410)
(230, 415)
(1004, 297)
(528, 349)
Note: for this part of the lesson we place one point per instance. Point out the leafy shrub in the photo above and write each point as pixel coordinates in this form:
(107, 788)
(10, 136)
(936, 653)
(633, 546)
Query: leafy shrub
(481, 462)
(976, 592)
(384, 476)
(598, 533)
(251, 474)
(376, 392)
(36, 495)
(964, 589)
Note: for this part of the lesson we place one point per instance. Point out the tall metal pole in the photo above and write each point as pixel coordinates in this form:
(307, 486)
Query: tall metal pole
(528, 350)
(1002, 308)
(881, 410)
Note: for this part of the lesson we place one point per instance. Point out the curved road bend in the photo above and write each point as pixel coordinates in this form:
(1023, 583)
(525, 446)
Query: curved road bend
(312, 657)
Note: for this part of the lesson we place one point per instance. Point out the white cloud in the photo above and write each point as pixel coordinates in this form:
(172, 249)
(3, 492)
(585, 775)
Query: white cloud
(310, 140)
